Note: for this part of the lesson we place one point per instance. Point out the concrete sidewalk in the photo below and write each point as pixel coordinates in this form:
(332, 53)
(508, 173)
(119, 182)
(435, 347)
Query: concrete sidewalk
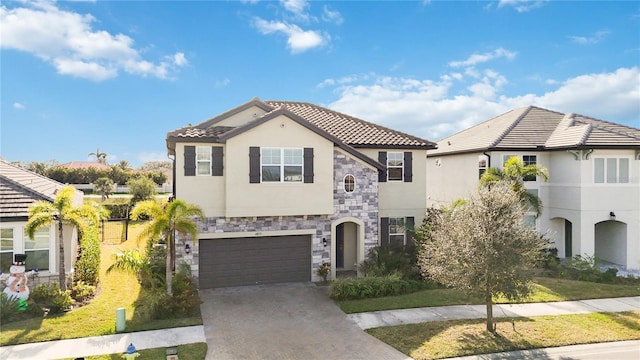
(413, 316)
(101, 345)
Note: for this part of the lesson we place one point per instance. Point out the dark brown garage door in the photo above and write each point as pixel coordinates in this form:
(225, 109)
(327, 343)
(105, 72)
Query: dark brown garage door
(250, 261)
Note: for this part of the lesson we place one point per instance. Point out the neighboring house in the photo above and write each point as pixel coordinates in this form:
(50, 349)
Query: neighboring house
(287, 186)
(19, 188)
(591, 203)
(85, 165)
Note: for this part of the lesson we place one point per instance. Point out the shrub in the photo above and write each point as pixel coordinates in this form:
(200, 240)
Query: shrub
(370, 287)
(88, 264)
(82, 291)
(386, 260)
(323, 270)
(51, 297)
(185, 300)
(10, 309)
(142, 188)
(119, 207)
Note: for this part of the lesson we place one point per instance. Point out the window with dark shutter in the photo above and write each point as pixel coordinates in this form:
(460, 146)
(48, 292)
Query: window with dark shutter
(189, 161)
(308, 165)
(384, 231)
(409, 228)
(408, 166)
(382, 158)
(254, 165)
(216, 161)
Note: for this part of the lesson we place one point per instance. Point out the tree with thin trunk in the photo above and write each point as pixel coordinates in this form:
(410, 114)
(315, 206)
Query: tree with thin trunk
(62, 211)
(483, 246)
(515, 172)
(104, 187)
(165, 220)
(101, 157)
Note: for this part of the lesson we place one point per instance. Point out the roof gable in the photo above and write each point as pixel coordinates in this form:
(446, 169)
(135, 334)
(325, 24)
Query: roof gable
(534, 128)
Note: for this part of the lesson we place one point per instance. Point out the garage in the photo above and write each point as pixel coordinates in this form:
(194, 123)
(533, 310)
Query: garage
(256, 260)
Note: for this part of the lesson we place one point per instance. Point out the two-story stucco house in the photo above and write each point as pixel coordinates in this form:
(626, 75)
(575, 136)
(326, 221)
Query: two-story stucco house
(591, 203)
(288, 186)
(19, 188)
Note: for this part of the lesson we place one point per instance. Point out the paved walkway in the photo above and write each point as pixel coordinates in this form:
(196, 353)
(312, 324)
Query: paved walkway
(114, 344)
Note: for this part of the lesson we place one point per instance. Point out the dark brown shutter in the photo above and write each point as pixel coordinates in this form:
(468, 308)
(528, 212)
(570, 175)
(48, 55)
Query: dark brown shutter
(254, 165)
(189, 161)
(382, 174)
(216, 161)
(308, 165)
(409, 224)
(408, 166)
(384, 231)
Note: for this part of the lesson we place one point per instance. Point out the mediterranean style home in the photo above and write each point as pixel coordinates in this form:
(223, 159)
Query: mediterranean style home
(289, 186)
(19, 188)
(591, 202)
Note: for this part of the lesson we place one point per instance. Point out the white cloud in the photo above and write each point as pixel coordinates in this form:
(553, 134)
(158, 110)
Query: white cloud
(19, 106)
(476, 59)
(522, 5)
(222, 83)
(332, 16)
(69, 42)
(144, 157)
(298, 40)
(435, 109)
(297, 7)
(594, 39)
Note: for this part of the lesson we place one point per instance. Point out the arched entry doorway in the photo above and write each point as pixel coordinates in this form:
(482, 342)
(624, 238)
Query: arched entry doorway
(347, 246)
(611, 241)
(563, 238)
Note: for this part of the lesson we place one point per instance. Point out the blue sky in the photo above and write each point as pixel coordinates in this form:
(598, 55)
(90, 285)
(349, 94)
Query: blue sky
(117, 76)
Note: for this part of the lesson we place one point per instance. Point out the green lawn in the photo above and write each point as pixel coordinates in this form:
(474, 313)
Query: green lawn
(97, 318)
(442, 339)
(546, 290)
(195, 351)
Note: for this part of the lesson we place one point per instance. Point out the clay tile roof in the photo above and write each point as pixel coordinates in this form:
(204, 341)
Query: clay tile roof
(19, 188)
(534, 128)
(85, 165)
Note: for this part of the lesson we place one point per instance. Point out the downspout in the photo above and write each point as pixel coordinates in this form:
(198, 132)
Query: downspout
(488, 159)
(173, 176)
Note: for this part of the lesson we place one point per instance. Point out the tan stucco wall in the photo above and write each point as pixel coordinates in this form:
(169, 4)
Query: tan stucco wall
(242, 117)
(450, 178)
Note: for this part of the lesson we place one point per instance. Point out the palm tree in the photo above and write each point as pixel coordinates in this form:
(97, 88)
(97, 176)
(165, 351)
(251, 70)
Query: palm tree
(165, 219)
(515, 172)
(100, 156)
(104, 187)
(62, 211)
(124, 165)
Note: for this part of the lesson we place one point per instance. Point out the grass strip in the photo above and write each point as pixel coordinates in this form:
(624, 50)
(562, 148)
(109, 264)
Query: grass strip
(545, 290)
(442, 339)
(195, 351)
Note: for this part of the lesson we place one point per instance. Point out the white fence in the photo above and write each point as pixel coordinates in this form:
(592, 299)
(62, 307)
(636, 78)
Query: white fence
(123, 189)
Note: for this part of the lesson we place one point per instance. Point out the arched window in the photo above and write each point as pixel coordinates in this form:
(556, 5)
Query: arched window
(349, 183)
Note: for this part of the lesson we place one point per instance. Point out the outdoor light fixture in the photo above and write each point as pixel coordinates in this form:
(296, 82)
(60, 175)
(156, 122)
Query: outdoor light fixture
(612, 214)
(187, 248)
(324, 242)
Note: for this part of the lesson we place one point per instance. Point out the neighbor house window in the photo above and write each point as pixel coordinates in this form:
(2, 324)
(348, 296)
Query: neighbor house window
(529, 160)
(395, 166)
(203, 160)
(611, 170)
(506, 158)
(396, 231)
(349, 183)
(37, 250)
(6, 249)
(483, 162)
(281, 165)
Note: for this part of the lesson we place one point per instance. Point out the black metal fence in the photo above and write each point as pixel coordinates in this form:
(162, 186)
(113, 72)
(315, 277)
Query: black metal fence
(114, 231)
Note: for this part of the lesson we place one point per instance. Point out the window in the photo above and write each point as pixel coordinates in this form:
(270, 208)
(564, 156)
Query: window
(6, 249)
(483, 162)
(37, 250)
(349, 183)
(396, 232)
(530, 220)
(529, 160)
(395, 166)
(281, 165)
(610, 170)
(203, 160)
(506, 158)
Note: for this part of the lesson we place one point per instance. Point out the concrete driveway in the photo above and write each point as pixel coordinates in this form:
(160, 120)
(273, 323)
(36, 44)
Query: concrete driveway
(284, 321)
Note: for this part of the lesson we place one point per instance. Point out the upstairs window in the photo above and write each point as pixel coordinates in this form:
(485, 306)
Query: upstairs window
(203, 160)
(611, 170)
(395, 166)
(529, 160)
(281, 165)
(349, 184)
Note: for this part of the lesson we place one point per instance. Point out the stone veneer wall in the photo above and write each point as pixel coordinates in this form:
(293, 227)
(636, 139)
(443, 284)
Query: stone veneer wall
(361, 204)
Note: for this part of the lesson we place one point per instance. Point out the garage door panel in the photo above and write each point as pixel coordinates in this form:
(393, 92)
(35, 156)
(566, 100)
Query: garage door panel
(244, 261)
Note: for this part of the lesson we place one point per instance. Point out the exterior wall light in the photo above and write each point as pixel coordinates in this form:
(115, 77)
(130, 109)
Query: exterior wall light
(612, 215)
(324, 242)
(187, 249)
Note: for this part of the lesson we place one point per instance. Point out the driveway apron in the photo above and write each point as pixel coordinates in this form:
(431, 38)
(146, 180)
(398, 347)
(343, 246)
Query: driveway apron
(284, 321)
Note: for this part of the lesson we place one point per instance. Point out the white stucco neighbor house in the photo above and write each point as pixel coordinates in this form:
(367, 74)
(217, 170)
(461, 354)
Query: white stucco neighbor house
(19, 188)
(591, 203)
(287, 186)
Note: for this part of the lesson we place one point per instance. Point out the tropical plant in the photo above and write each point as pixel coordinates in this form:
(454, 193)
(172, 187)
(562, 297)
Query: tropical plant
(484, 247)
(101, 157)
(104, 187)
(165, 219)
(142, 188)
(62, 211)
(124, 165)
(515, 172)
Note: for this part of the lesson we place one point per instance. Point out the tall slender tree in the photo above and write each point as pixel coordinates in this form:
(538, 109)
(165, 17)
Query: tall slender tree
(62, 211)
(514, 173)
(165, 220)
(101, 157)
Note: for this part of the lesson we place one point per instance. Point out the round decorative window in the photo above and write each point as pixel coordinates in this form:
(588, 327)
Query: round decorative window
(349, 183)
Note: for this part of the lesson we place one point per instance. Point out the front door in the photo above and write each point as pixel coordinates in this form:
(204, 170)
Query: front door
(340, 246)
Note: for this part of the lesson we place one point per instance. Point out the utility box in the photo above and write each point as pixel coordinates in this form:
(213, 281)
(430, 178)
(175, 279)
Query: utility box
(121, 319)
(172, 353)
